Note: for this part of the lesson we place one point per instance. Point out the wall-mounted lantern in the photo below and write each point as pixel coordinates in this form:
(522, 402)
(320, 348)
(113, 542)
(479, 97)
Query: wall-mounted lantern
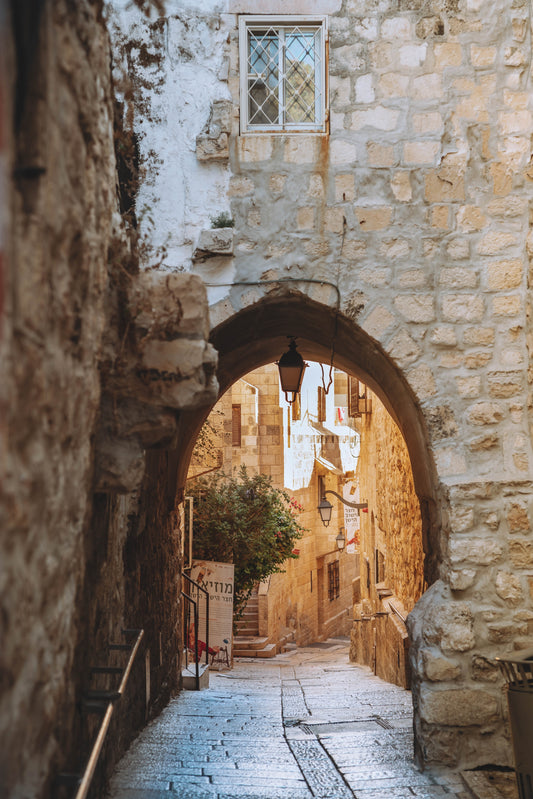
(341, 540)
(291, 368)
(326, 507)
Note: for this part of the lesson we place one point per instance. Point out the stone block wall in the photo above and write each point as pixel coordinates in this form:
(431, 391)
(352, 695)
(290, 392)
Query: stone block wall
(90, 542)
(58, 117)
(381, 642)
(415, 205)
(393, 524)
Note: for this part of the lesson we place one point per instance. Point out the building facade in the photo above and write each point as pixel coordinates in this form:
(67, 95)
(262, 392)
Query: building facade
(374, 160)
(305, 449)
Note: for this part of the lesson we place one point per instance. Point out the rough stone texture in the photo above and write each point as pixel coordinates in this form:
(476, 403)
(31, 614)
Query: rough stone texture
(393, 523)
(415, 262)
(214, 242)
(77, 567)
(391, 534)
(62, 227)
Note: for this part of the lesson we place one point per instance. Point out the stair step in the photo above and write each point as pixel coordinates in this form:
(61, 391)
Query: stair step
(268, 651)
(249, 642)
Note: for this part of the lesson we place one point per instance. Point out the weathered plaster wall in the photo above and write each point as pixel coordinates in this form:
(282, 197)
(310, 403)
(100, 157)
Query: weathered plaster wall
(416, 206)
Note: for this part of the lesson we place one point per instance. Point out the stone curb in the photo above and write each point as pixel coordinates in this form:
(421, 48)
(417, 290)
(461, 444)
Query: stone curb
(500, 785)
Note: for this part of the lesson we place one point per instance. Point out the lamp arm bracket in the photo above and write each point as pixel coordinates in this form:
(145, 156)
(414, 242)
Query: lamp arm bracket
(345, 501)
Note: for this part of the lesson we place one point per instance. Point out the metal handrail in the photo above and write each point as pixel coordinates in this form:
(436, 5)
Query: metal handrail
(196, 658)
(200, 587)
(88, 774)
(397, 612)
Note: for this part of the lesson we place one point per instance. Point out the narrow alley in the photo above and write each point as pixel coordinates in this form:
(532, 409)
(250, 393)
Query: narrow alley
(307, 723)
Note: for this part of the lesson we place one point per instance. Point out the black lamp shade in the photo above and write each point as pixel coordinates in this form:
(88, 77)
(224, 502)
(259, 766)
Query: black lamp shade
(291, 367)
(325, 509)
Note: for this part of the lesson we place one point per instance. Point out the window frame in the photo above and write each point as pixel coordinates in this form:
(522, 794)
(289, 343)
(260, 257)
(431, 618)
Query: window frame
(236, 425)
(283, 21)
(334, 589)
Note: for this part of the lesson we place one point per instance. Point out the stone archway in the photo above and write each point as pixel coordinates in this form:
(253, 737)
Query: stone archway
(457, 697)
(258, 335)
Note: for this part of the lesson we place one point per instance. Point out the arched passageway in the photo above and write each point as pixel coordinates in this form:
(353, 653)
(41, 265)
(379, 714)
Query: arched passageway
(258, 335)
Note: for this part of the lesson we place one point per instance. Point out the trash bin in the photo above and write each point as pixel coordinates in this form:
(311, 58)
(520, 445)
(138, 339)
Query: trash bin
(519, 675)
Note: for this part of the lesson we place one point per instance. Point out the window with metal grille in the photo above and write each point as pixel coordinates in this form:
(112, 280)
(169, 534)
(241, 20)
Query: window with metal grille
(333, 581)
(283, 73)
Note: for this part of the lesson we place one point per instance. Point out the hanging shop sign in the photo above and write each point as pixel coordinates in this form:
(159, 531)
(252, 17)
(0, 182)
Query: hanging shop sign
(352, 522)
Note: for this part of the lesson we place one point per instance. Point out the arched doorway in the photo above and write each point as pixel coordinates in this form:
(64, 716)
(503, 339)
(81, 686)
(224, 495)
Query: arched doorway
(258, 334)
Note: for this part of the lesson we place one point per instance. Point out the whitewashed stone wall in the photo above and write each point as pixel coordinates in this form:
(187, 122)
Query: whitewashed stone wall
(416, 205)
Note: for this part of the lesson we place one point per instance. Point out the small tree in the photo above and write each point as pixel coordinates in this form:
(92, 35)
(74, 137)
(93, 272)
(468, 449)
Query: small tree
(246, 521)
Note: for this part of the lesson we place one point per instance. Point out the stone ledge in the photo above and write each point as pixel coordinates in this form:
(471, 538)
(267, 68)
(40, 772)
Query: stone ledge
(218, 241)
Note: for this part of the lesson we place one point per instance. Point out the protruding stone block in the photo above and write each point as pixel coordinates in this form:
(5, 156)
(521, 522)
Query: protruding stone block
(438, 668)
(458, 707)
(218, 241)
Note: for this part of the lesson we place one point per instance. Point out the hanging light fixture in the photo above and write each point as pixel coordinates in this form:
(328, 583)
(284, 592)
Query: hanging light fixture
(291, 368)
(325, 509)
(341, 540)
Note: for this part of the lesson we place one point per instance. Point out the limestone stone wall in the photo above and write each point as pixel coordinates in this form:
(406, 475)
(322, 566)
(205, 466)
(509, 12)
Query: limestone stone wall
(412, 212)
(391, 548)
(59, 131)
(90, 377)
(393, 524)
(294, 604)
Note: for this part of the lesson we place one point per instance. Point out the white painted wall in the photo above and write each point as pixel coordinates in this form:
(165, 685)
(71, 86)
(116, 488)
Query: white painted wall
(178, 195)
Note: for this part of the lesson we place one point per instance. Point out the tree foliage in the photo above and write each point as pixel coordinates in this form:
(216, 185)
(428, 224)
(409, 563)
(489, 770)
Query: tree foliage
(244, 520)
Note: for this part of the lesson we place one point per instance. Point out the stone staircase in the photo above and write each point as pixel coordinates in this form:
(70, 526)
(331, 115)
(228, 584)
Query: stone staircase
(247, 643)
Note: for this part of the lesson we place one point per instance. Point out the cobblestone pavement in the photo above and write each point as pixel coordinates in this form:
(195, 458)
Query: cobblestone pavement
(304, 724)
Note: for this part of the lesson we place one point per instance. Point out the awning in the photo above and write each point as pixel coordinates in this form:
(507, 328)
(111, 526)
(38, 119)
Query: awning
(328, 465)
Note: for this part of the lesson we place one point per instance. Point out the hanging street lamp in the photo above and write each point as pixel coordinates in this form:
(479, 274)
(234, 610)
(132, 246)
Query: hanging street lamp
(325, 507)
(341, 540)
(291, 368)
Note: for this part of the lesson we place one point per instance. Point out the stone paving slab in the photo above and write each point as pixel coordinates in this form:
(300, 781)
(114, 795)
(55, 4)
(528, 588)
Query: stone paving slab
(304, 725)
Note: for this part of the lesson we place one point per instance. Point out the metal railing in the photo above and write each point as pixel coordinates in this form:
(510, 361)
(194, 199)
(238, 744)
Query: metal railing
(194, 627)
(395, 610)
(103, 702)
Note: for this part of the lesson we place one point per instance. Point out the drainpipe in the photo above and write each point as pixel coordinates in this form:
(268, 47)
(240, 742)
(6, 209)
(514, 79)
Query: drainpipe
(190, 500)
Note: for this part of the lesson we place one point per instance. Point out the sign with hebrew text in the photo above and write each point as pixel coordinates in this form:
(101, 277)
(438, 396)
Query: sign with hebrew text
(218, 580)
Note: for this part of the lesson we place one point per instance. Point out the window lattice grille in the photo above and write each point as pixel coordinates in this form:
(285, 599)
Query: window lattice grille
(284, 76)
(333, 581)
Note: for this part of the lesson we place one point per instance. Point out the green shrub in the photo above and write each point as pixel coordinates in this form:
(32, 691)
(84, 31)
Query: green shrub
(246, 521)
(222, 220)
